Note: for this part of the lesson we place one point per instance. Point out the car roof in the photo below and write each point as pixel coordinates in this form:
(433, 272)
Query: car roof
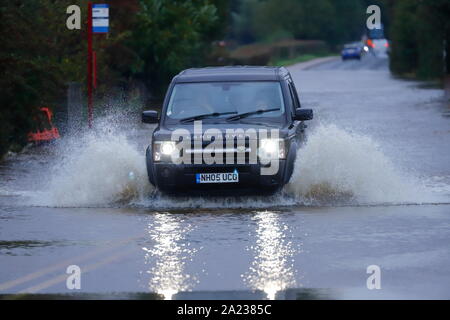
(232, 73)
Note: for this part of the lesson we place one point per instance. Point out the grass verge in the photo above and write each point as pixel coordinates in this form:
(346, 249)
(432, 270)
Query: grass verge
(298, 59)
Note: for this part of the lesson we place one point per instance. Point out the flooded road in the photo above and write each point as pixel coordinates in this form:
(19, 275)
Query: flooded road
(371, 187)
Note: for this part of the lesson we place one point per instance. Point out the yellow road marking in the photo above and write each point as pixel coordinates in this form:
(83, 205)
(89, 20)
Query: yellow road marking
(63, 277)
(64, 264)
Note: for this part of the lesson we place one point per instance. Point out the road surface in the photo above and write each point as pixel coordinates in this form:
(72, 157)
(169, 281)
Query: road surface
(371, 188)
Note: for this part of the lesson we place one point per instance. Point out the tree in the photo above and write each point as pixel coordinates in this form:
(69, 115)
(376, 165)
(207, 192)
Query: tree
(404, 52)
(34, 65)
(269, 20)
(149, 40)
(420, 33)
(170, 35)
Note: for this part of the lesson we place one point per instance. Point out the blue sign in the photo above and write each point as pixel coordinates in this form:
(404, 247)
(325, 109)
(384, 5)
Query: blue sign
(100, 18)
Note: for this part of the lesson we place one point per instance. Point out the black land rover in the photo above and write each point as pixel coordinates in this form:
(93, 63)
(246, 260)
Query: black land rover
(226, 130)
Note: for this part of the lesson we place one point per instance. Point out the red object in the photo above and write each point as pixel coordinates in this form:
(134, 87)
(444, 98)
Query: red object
(89, 64)
(94, 61)
(370, 43)
(46, 130)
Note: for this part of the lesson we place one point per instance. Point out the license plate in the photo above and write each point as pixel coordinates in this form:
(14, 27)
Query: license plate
(228, 177)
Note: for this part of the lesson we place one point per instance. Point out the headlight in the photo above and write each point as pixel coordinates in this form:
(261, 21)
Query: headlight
(167, 148)
(163, 150)
(272, 149)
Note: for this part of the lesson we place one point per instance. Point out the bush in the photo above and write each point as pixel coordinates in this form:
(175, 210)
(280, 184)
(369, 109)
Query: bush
(263, 53)
(288, 49)
(252, 54)
(418, 34)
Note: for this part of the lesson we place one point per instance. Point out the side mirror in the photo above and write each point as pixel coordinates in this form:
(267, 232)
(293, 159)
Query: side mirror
(150, 116)
(303, 114)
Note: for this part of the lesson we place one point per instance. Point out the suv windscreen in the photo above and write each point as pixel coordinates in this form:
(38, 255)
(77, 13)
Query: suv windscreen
(224, 99)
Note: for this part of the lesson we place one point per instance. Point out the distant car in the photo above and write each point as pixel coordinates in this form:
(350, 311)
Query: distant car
(378, 47)
(352, 51)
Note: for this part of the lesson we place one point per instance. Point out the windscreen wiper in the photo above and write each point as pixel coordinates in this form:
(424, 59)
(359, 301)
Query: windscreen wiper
(246, 114)
(207, 115)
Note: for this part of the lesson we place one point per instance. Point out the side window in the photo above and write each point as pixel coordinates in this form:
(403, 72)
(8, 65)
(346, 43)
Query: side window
(294, 93)
(294, 98)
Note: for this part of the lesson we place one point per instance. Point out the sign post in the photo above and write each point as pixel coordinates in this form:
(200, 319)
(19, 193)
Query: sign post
(89, 64)
(100, 18)
(98, 22)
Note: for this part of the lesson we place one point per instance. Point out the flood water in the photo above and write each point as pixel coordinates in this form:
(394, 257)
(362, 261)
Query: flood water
(371, 187)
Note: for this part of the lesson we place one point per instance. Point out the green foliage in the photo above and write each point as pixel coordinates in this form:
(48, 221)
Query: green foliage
(404, 55)
(33, 63)
(149, 40)
(298, 59)
(242, 17)
(419, 32)
(265, 53)
(271, 20)
(170, 35)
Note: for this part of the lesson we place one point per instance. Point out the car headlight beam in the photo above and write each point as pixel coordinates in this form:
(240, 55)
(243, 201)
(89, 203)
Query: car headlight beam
(269, 145)
(167, 148)
(272, 149)
(163, 150)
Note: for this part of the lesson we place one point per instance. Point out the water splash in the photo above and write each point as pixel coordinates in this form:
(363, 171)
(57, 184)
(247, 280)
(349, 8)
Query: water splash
(103, 168)
(98, 168)
(338, 166)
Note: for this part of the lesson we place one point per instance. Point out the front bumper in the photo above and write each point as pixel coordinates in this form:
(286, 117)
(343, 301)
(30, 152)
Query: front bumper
(181, 179)
(354, 55)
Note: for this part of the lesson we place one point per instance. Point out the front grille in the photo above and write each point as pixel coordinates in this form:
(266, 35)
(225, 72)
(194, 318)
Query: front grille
(216, 169)
(236, 154)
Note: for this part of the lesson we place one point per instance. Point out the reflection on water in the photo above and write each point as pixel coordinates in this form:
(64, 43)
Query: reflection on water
(272, 267)
(168, 256)
(290, 294)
